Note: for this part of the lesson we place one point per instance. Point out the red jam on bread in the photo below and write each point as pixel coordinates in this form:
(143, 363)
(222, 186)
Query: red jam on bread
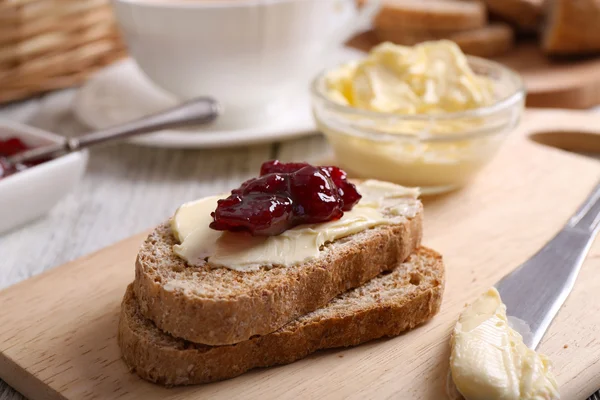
(283, 196)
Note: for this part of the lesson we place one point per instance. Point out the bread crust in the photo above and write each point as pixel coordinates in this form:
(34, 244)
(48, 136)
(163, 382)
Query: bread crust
(489, 41)
(450, 15)
(571, 27)
(160, 358)
(260, 303)
(525, 14)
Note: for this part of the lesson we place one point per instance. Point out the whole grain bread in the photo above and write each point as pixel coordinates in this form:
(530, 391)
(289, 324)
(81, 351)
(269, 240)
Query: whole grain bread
(445, 15)
(387, 305)
(571, 27)
(525, 14)
(489, 41)
(217, 306)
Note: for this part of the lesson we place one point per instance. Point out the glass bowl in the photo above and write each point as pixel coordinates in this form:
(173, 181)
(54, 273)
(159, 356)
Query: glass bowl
(436, 152)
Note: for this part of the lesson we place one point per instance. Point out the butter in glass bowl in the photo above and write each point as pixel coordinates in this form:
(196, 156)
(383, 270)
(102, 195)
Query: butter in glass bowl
(425, 116)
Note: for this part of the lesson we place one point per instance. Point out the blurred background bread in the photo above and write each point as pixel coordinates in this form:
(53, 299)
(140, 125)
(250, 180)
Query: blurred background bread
(526, 15)
(488, 28)
(488, 41)
(572, 27)
(443, 15)
(465, 22)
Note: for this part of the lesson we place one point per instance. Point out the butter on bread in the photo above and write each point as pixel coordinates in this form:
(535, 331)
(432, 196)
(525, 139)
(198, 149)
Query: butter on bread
(218, 306)
(489, 41)
(448, 15)
(243, 252)
(387, 305)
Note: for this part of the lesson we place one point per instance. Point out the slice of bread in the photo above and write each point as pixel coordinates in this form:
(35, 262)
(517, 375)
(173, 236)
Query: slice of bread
(219, 306)
(525, 14)
(412, 36)
(489, 41)
(571, 27)
(387, 305)
(445, 15)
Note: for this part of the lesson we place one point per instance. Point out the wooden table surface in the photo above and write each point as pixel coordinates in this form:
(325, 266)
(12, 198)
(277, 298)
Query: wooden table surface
(126, 189)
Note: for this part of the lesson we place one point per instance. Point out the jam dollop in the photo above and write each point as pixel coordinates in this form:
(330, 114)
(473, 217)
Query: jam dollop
(283, 196)
(9, 147)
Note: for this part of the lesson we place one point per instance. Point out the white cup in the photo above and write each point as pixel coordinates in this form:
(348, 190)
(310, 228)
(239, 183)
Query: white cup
(251, 55)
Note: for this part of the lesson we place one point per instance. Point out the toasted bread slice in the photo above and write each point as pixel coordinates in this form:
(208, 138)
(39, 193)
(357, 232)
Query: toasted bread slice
(411, 36)
(219, 306)
(489, 41)
(444, 15)
(571, 27)
(525, 14)
(387, 305)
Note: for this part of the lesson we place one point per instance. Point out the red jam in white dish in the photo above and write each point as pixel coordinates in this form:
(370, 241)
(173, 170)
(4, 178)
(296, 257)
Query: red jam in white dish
(9, 147)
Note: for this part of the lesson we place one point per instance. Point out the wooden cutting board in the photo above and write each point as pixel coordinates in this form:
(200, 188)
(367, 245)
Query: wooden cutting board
(58, 330)
(554, 83)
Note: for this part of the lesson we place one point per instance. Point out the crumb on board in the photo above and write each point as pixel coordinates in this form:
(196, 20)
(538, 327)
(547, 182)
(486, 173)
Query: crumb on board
(566, 346)
(340, 355)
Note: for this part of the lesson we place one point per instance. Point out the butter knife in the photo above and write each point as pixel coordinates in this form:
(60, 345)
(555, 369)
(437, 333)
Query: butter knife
(536, 290)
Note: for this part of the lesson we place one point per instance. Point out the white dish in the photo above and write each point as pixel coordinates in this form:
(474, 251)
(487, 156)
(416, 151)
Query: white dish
(121, 92)
(31, 193)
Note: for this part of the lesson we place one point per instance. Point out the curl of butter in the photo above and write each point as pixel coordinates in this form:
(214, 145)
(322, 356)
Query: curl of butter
(430, 77)
(490, 361)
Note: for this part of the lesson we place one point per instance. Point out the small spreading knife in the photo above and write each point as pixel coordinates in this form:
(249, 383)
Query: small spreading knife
(536, 290)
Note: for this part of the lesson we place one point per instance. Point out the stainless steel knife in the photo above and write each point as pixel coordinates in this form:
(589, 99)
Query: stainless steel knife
(536, 290)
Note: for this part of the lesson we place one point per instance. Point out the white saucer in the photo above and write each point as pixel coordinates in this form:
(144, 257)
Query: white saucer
(121, 93)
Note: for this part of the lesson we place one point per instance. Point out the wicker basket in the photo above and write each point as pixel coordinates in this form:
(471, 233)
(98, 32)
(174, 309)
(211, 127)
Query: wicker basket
(53, 44)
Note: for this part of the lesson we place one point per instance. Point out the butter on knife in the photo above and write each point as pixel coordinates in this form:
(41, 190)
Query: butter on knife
(490, 361)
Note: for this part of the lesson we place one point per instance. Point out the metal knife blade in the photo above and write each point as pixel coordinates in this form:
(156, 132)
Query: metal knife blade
(536, 290)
